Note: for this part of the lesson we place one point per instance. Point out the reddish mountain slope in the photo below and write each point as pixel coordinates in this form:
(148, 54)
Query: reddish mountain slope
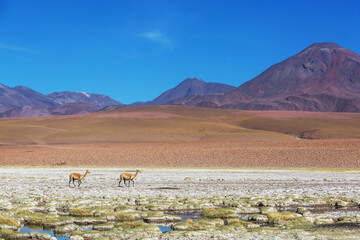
(324, 78)
(322, 68)
(214, 101)
(191, 87)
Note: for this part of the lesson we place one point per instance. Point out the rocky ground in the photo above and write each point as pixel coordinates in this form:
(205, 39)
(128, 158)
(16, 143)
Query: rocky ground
(192, 203)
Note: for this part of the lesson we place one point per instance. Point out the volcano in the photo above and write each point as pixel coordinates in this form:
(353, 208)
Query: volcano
(324, 77)
(321, 68)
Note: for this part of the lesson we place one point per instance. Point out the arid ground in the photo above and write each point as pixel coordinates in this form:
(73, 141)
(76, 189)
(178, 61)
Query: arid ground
(343, 153)
(206, 173)
(176, 136)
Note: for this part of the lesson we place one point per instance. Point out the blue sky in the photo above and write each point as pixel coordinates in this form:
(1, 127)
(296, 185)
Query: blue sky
(133, 50)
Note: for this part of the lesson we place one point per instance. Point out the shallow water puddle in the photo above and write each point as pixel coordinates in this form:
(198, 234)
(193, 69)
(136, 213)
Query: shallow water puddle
(50, 232)
(186, 215)
(165, 229)
(40, 230)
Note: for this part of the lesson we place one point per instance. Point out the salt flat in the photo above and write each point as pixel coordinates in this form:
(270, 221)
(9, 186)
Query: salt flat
(53, 182)
(232, 204)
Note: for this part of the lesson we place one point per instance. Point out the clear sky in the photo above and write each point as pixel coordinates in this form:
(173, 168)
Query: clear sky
(133, 50)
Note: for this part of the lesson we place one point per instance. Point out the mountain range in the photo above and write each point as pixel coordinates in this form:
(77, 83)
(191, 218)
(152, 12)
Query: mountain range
(324, 77)
(188, 87)
(22, 101)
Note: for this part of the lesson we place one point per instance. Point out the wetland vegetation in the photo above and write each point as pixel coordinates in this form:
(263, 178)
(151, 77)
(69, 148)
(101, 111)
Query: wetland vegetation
(190, 205)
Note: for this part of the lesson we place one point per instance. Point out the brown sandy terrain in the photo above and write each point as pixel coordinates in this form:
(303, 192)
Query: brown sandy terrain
(178, 124)
(284, 115)
(246, 154)
(177, 136)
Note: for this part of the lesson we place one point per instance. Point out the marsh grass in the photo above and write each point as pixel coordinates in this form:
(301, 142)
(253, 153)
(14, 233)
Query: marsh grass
(136, 226)
(203, 224)
(276, 217)
(25, 212)
(79, 212)
(122, 217)
(39, 219)
(234, 221)
(218, 212)
(7, 234)
(149, 206)
(130, 224)
(9, 221)
(121, 207)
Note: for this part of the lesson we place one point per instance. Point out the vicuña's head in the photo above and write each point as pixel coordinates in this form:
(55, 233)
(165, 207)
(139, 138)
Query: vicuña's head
(138, 170)
(87, 171)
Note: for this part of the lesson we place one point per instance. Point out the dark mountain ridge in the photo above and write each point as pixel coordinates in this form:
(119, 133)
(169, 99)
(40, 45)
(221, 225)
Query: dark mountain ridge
(20, 96)
(323, 77)
(188, 87)
(321, 68)
(191, 87)
(22, 101)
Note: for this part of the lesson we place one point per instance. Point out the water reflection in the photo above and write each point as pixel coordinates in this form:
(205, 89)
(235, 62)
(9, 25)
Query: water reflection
(40, 230)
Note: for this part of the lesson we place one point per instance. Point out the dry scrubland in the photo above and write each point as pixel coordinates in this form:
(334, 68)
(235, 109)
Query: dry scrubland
(178, 124)
(273, 154)
(176, 136)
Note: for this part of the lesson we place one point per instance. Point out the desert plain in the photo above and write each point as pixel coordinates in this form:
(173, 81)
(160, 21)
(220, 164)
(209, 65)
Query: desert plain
(205, 173)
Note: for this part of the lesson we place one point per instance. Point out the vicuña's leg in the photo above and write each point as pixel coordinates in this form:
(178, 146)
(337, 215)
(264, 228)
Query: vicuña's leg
(69, 182)
(133, 183)
(79, 183)
(74, 182)
(121, 178)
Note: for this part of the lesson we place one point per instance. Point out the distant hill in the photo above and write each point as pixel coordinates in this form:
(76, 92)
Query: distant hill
(323, 77)
(20, 96)
(226, 99)
(22, 101)
(73, 108)
(25, 111)
(188, 87)
(98, 100)
(191, 87)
